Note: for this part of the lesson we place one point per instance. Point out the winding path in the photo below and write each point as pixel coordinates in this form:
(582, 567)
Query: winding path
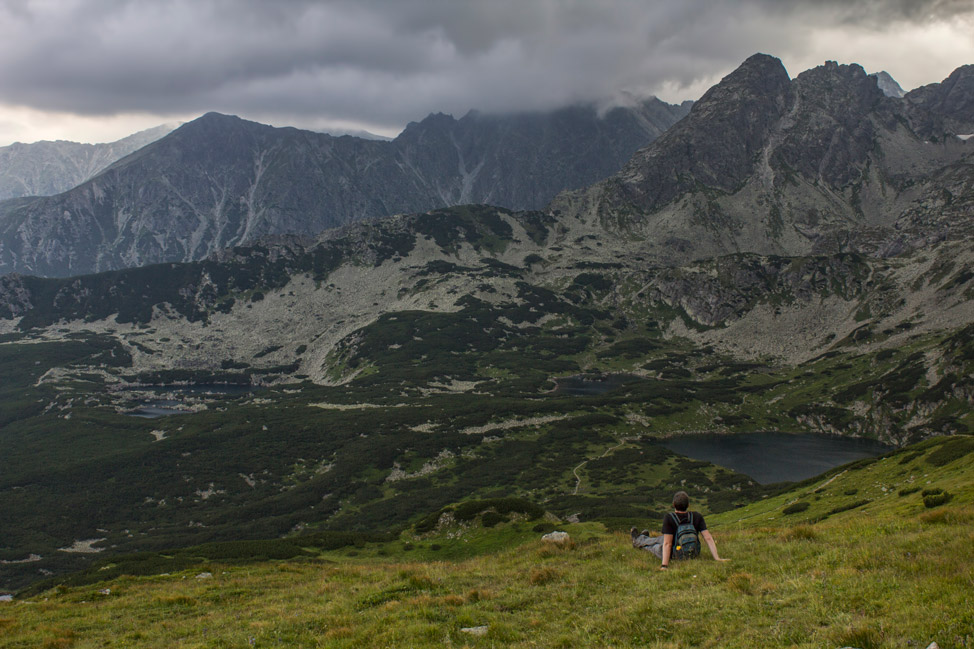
(578, 478)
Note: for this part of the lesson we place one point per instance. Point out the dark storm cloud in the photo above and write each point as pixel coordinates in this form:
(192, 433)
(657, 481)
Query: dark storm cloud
(385, 62)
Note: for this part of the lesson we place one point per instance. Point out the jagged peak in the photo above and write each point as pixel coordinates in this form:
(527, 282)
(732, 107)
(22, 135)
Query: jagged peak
(757, 67)
(962, 75)
(833, 70)
(760, 75)
(945, 107)
(889, 85)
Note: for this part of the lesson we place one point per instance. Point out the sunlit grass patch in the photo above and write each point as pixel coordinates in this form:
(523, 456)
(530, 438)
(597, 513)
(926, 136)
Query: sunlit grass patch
(855, 578)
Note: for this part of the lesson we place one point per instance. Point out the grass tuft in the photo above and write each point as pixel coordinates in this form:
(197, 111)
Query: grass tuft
(742, 582)
(544, 575)
(860, 638)
(801, 533)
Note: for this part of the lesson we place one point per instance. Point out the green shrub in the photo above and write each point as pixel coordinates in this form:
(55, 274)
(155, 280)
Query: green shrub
(795, 508)
(468, 510)
(428, 523)
(845, 508)
(935, 500)
(951, 450)
(909, 457)
(544, 528)
(490, 519)
(907, 492)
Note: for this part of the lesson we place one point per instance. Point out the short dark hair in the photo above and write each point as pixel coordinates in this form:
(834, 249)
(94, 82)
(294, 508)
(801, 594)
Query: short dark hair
(681, 501)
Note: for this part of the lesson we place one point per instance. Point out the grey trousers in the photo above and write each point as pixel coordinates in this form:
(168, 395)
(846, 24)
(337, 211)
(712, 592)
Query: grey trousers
(653, 544)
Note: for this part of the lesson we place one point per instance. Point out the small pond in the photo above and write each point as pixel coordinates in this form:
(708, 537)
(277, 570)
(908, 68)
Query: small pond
(173, 399)
(775, 457)
(591, 385)
(159, 408)
(200, 389)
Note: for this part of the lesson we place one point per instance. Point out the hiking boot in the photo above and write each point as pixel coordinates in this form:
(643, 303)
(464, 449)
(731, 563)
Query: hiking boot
(645, 533)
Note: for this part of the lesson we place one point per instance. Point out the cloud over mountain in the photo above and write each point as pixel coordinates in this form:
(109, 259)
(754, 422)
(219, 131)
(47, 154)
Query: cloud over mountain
(384, 63)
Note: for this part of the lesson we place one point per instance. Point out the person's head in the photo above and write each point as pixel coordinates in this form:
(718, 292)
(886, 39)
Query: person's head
(681, 501)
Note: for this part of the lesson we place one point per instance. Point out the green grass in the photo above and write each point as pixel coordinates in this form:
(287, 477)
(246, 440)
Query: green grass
(890, 573)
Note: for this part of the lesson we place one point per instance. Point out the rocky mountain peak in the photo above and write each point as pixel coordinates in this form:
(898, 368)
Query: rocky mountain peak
(831, 133)
(213, 125)
(818, 164)
(717, 144)
(760, 83)
(888, 84)
(836, 84)
(946, 107)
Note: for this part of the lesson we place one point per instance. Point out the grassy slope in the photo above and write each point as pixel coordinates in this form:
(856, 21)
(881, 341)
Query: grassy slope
(890, 572)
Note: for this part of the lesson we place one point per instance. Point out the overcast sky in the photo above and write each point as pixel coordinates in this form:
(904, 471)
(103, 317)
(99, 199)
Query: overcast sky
(97, 70)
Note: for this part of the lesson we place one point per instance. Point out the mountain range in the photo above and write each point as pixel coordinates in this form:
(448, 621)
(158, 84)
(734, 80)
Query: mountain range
(47, 168)
(221, 181)
(820, 164)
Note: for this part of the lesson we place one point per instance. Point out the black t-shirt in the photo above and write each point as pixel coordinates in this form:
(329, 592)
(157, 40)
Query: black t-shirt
(670, 525)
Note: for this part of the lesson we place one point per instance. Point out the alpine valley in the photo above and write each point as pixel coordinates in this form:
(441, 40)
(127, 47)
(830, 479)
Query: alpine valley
(791, 255)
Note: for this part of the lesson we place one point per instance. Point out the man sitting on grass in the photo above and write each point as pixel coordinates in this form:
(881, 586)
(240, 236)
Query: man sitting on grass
(683, 527)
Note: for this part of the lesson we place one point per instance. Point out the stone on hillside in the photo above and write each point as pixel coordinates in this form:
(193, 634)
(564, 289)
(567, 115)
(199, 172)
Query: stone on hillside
(559, 538)
(479, 631)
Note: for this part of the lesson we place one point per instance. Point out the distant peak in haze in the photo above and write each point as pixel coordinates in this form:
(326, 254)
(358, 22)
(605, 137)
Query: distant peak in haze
(353, 132)
(888, 84)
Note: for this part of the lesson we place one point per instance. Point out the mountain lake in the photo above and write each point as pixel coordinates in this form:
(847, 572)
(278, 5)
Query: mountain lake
(169, 402)
(770, 457)
(587, 385)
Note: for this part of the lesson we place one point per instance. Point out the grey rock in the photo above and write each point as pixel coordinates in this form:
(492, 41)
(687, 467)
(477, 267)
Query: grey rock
(478, 631)
(558, 538)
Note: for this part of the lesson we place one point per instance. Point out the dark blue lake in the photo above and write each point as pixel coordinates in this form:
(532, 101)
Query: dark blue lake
(775, 457)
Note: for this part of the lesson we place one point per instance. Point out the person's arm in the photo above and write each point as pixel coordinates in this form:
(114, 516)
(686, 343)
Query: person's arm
(667, 550)
(708, 537)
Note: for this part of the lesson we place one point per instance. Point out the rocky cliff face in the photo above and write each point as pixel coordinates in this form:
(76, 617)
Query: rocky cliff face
(48, 168)
(821, 164)
(222, 181)
(940, 109)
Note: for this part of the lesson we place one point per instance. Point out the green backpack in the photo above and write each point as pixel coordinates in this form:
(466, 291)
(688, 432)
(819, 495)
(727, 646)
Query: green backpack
(686, 543)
